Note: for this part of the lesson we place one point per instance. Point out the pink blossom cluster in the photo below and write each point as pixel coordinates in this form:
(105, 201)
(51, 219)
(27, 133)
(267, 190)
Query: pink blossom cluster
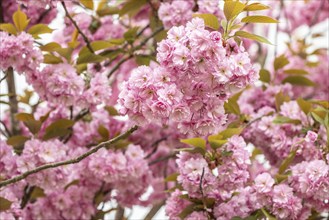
(310, 179)
(122, 175)
(60, 84)
(279, 137)
(177, 12)
(126, 172)
(90, 27)
(218, 178)
(198, 71)
(19, 53)
(37, 13)
(307, 9)
(41, 3)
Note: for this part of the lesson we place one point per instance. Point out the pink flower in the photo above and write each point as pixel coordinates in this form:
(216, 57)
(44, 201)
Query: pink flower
(311, 137)
(264, 183)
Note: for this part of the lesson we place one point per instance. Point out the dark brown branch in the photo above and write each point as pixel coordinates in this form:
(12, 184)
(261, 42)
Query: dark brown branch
(85, 38)
(161, 159)
(7, 130)
(119, 215)
(67, 162)
(154, 210)
(155, 145)
(117, 66)
(12, 100)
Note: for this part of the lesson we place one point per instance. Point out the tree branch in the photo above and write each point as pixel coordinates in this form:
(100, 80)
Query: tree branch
(12, 99)
(85, 38)
(117, 66)
(119, 215)
(139, 46)
(154, 210)
(71, 161)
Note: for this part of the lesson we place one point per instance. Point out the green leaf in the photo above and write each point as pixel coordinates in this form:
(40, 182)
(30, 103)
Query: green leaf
(143, 60)
(29, 121)
(50, 47)
(210, 20)
(296, 71)
(280, 62)
(265, 76)
(20, 20)
(17, 141)
(51, 59)
(298, 80)
(117, 41)
(229, 132)
(286, 162)
(103, 132)
(231, 106)
(111, 110)
(281, 177)
(187, 211)
(64, 52)
(196, 142)
(280, 98)
(85, 56)
(58, 128)
(233, 9)
(37, 193)
(104, 9)
(4, 204)
(26, 97)
(172, 177)
(252, 37)
(88, 4)
(256, 7)
(305, 106)
(214, 144)
(130, 34)
(322, 103)
(285, 120)
(38, 29)
(8, 27)
(131, 7)
(267, 215)
(74, 182)
(258, 19)
(100, 45)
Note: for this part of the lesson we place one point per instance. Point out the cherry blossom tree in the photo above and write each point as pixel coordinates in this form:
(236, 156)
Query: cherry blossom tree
(212, 109)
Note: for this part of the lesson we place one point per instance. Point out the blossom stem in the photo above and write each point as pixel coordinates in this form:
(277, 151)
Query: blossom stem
(85, 38)
(67, 162)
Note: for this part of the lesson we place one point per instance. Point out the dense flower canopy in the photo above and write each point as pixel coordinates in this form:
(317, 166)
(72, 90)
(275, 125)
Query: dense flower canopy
(206, 109)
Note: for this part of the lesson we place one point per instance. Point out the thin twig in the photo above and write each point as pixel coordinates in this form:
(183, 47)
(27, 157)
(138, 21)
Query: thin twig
(67, 162)
(117, 66)
(139, 46)
(161, 159)
(85, 38)
(4, 77)
(6, 128)
(155, 145)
